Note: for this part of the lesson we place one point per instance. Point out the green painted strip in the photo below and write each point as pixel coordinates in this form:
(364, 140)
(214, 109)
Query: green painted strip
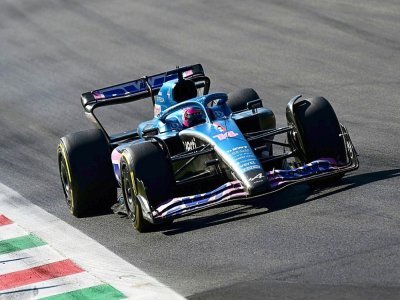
(20, 243)
(99, 292)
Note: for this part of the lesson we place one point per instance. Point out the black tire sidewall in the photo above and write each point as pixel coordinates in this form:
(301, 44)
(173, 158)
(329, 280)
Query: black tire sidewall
(87, 155)
(319, 130)
(237, 100)
(135, 208)
(151, 167)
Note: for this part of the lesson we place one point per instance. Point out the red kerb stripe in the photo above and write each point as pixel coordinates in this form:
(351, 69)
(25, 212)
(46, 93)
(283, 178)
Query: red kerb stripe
(37, 274)
(4, 220)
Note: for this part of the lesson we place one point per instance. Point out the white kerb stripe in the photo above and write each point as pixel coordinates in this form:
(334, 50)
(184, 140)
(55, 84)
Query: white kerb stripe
(11, 231)
(52, 287)
(28, 258)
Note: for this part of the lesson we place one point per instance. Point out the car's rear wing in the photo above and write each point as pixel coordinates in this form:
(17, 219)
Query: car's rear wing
(142, 88)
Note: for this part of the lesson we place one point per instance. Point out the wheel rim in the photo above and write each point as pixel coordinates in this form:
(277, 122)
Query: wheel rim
(66, 183)
(129, 195)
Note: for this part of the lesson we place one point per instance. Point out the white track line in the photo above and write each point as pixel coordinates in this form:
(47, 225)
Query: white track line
(83, 250)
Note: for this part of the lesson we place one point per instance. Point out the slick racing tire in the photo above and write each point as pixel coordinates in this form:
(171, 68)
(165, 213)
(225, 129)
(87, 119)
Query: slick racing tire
(319, 131)
(86, 173)
(237, 100)
(145, 173)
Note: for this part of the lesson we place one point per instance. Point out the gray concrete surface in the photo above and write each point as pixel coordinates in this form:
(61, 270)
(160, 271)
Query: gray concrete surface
(339, 242)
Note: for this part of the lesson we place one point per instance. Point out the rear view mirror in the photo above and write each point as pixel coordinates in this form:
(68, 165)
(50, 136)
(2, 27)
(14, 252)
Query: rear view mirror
(254, 104)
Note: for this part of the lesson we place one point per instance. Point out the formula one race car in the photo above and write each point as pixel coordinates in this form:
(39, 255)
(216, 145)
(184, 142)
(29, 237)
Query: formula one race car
(200, 149)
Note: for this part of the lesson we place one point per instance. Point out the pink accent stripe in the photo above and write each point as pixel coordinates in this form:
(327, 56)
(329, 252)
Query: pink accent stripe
(204, 195)
(182, 208)
(116, 156)
(4, 220)
(37, 274)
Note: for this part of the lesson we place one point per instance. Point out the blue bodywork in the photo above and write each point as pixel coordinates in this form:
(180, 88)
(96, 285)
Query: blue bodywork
(243, 172)
(219, 130)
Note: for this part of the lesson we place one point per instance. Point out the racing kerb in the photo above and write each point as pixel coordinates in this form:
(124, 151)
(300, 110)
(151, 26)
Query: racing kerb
(43, 257)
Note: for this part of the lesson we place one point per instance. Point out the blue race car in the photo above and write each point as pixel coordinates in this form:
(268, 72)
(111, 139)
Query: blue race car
(200, 149)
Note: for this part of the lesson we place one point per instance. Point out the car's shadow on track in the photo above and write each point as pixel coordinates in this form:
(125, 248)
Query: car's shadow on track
(289, 197)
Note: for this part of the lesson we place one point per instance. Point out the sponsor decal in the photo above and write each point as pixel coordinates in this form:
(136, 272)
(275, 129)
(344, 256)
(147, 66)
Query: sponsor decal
(258, 176)
(175, 125)
(169, 93)
(157, 80)
(219, 127)
(218, 114)
(159, 98)
(244, 158)
(97, 95)
(249, 163)
(187, 73)
(190, 145)
(240, 148)
(132, 87)
(157, 110)
(225, 135)
(252, 167)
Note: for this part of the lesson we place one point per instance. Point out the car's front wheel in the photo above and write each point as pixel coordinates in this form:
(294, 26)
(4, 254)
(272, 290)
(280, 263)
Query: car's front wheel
(147, 174)
(319, 133)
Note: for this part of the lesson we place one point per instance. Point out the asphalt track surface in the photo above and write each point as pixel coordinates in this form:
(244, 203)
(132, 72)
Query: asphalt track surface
(338, 242)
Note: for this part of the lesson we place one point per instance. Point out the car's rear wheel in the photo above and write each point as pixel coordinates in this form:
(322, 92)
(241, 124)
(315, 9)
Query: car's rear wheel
(237, 100)
(145, 173)
(261, 120)
(86, 173)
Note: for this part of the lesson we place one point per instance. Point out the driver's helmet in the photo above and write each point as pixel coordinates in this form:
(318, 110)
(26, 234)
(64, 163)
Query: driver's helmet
(192, 116)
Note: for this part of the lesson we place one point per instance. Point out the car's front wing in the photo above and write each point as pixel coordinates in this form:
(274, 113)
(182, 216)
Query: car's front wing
(278, 179)
(323, 168)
